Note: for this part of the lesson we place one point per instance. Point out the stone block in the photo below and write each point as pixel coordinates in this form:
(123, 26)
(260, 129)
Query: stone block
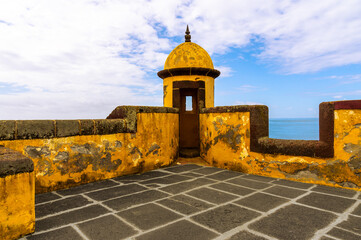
(33, 129)
(129, 114)
(66, 128)
(7, 130)
(87, 127)
(12, 162)
(109, 126)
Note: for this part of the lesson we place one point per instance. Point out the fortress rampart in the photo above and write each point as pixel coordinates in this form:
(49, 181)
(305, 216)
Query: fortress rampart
(45, 155)
(39, 156)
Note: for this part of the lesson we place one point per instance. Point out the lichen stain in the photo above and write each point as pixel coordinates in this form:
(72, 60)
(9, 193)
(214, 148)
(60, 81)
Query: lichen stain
(65, 162)
(227, 151)
(293, 167)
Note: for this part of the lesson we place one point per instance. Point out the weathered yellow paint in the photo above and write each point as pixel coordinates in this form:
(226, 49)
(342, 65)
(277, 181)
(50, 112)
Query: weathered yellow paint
(65, 162)
(168, 88)
(188, 54)
(347, 134)
(224, 144)
(17, 205)
(225, 137)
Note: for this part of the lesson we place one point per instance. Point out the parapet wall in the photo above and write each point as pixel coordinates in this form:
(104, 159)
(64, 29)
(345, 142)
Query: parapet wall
(71, 152)
(236, 138)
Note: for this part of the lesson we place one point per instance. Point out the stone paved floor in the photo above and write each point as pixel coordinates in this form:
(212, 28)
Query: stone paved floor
(198, 202)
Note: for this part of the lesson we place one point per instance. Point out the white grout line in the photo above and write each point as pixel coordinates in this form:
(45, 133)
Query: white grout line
(332, 237)
(188, 217)
(58, 194)
(342, 217)
(67, 225)
(76, 228)
(114, 214)
(263, 214)
(65, 211)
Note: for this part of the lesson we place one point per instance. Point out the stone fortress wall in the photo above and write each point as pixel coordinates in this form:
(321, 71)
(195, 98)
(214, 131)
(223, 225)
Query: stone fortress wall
(39, 156)
(236, 138)
(45, 155)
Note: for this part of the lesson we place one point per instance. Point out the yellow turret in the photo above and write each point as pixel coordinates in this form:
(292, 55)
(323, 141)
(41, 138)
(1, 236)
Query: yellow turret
(188, 66)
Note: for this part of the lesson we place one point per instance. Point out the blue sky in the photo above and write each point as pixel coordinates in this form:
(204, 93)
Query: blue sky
(81, 59)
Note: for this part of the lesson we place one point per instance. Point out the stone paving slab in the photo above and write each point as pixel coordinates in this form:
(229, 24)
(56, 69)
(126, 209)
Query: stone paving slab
(45, 197)
(284, 191)
(342, 234)
(106, 228)
(246, 235)
(293, 222)
(185, 204)
(261, 202)
(198, 202)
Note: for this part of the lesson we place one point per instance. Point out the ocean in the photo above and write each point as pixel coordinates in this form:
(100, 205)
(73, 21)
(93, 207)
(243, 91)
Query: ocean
(294, 128)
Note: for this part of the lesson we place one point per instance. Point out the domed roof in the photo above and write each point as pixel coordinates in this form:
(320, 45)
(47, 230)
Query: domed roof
(188, 54)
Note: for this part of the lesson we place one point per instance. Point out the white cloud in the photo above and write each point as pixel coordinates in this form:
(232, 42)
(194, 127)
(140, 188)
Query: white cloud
(337, 96)
(225, 71)
(80, 59)
(246, 88)
(302, 36)
(247, 103)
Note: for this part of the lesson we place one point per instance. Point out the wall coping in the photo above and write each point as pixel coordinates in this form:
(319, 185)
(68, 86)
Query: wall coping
(129, 114)
(259, 132)
(347, 104)
(258, 120)
(121, 120)
(12, 162)
(47, 129)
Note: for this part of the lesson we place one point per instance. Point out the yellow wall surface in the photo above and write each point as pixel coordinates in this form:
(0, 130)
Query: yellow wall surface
(347, 133)
(65, 162)
(17, 205)
(225, 143)
(168, 88)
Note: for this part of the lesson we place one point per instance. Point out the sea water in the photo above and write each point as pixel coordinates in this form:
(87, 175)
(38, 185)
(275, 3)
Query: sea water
(294, 128)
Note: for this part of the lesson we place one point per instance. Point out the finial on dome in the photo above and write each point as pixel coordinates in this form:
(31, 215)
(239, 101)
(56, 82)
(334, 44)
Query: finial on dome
(187, 36)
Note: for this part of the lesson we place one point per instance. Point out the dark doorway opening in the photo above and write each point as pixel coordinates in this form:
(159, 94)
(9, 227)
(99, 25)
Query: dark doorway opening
(189, 122)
